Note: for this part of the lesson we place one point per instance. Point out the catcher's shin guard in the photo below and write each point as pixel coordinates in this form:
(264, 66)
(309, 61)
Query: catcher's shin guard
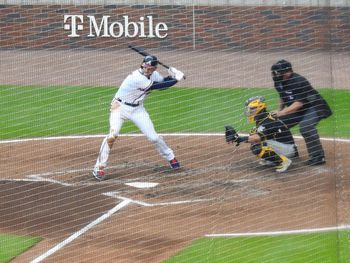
(280, 161)
(266, 153)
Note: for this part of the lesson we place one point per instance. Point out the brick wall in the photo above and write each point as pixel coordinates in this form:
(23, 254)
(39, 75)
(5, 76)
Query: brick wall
(229, 28)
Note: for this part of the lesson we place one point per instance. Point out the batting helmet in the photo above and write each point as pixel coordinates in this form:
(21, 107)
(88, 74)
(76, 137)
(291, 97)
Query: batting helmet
(150, 61)
(254, 106)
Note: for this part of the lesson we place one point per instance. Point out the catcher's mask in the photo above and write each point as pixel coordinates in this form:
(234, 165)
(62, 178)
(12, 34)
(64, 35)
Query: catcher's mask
(254, 106)
(150, 61)
(279, 68)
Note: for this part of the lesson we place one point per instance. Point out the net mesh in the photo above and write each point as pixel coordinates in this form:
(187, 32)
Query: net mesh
(56, 91)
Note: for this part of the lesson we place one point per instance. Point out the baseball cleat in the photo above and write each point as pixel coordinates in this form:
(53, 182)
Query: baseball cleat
(284, 165)
(264, 162)
(98, 173)
(174, 164)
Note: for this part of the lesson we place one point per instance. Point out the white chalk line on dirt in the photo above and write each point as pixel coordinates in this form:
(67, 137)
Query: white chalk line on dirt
(279, 233)
(40, 177)
(115, 195)
(125, 201)
(65, 242)
(139, 135)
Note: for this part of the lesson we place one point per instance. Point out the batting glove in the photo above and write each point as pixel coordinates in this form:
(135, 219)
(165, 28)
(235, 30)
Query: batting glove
(172, 72)
(179, 75)
(175, 73)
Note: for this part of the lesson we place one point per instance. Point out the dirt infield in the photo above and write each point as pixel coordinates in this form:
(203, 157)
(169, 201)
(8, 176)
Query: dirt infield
(47, 190)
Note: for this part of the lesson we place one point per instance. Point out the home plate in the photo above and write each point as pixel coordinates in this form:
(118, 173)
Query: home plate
(142, 184)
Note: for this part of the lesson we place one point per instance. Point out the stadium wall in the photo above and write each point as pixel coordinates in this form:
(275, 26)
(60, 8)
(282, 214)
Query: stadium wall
(317, 26)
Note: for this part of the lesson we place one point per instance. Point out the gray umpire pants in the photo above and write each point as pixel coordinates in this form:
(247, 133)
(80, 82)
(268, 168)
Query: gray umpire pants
(307, 127)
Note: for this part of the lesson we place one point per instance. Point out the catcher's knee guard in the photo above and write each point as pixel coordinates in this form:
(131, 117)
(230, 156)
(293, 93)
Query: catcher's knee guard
(256, 148)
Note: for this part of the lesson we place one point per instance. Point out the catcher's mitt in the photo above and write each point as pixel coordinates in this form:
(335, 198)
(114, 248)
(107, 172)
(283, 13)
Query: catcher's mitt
(232, 136)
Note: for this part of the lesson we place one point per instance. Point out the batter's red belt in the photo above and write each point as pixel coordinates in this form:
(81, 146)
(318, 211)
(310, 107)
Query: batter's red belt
(127, 103)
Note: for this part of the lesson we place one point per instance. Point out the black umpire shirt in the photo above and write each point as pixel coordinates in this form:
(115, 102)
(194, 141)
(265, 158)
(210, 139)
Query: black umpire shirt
(269, 128)
(297, 88)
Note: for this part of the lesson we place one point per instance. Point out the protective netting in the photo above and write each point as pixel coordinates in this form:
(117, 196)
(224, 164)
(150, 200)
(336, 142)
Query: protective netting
(62, 63)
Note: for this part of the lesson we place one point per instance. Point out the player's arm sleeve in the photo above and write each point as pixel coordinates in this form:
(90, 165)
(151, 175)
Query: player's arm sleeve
(166, 83)
(156, 76)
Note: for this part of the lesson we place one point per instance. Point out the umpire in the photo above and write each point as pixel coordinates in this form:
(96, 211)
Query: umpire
(300, 104)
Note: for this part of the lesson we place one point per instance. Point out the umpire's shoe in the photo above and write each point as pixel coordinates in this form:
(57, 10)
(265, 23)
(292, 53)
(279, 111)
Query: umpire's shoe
(317, 160)
(174, 164)
(98, 173)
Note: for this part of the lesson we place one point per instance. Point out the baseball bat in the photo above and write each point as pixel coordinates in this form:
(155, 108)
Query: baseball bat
(144, 53)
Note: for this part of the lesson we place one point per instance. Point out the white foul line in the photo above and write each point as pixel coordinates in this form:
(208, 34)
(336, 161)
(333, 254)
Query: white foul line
(82, 231)
(139, 135)
(278, 233)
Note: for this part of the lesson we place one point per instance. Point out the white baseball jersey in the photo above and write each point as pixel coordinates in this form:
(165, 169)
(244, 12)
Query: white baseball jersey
(133, 90)
(136, 86)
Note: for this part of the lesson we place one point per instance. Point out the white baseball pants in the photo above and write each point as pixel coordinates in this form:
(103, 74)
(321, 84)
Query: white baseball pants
(140, 117)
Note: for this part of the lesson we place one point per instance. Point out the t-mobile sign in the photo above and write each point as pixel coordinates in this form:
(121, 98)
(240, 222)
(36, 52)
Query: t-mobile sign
(107, 28)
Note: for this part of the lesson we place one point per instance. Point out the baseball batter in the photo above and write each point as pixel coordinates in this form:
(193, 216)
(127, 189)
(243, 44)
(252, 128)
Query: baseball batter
(127, 104)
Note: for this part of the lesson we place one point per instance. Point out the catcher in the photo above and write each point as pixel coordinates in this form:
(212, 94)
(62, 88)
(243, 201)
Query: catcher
(270, 139)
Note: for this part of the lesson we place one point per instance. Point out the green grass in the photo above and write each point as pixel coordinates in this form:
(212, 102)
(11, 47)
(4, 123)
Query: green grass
(11, 246)
(29, 111)
(328, 247)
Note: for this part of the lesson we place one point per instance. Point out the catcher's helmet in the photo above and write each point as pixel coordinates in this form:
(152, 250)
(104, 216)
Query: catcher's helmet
(150, 61)
(254, 106)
